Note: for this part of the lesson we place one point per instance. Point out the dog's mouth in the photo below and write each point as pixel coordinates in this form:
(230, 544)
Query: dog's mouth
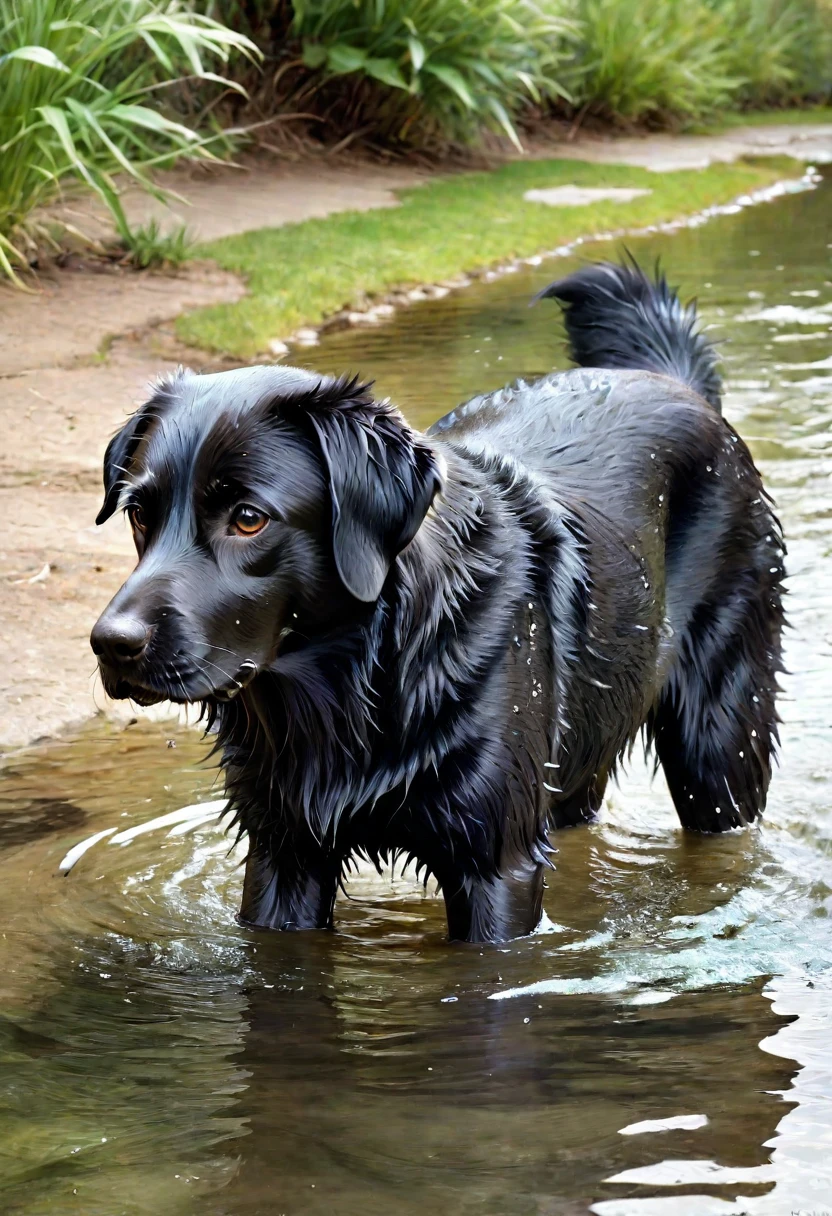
(125, 690)
(244, 675)
(150, 691)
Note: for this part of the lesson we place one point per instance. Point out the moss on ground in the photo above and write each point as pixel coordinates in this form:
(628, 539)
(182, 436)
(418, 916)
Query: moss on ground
(301, 273)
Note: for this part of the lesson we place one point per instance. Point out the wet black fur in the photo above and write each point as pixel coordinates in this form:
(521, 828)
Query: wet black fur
(617, 316)
(444, 644)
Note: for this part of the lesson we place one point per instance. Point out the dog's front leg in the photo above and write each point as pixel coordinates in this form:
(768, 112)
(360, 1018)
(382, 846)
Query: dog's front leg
(495, 908)
(293, 888)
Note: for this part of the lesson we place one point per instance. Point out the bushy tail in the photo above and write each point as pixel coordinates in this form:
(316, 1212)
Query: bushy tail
(617, 316)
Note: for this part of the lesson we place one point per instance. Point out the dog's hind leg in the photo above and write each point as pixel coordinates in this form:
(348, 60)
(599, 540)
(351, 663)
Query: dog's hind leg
(715, 725)
(291, 889)
(581, 806)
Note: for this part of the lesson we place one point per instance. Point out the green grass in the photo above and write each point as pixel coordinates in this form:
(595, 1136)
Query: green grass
(649, 60)
(762, 118)
(301, 273)
(663, 61)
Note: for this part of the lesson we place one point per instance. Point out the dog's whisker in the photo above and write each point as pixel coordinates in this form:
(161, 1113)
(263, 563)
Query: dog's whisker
(200, 664)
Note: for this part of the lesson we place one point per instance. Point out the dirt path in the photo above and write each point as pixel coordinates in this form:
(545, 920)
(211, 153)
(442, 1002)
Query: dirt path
(812, 143)
(221, 202)
(76, 359)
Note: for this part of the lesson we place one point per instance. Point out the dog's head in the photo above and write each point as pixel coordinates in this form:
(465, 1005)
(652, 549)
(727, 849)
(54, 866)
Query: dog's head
(262, 501)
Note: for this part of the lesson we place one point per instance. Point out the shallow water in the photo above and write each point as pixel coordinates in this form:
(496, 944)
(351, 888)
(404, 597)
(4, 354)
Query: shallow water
(155, 1058)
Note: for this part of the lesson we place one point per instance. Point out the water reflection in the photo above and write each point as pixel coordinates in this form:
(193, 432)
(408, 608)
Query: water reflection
(405, 1104)
(156, 1058)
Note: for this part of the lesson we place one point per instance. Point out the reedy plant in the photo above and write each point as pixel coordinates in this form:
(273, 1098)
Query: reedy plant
(433, 72)
(646, 60)
(456, 64)
(148, 245)
(779, 50)
(81, 85)
(662, 61)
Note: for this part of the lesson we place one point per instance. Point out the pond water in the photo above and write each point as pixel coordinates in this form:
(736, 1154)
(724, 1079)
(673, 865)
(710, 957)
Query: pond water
(664, 1049)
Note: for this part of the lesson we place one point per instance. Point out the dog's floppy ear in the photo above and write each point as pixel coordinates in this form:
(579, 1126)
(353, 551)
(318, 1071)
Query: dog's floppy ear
(382, 478)
(122, 448)
(117, 459)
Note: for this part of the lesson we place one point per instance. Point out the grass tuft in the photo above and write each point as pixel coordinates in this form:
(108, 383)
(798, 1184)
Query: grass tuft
(149, 247)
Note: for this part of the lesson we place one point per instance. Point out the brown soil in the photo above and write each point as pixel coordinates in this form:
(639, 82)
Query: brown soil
(76, 358)
(219, 200)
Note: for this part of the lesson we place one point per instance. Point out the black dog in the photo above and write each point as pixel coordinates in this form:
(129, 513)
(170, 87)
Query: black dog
(440, 645)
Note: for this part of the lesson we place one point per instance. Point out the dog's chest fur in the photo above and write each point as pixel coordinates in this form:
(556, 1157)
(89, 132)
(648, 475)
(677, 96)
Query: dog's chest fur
(499, 674)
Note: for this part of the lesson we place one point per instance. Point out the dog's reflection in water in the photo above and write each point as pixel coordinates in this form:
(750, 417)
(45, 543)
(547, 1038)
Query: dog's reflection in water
(366, 1093)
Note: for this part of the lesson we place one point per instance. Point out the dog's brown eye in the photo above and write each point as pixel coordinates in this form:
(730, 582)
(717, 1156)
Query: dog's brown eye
(248, 521)
(138, 520)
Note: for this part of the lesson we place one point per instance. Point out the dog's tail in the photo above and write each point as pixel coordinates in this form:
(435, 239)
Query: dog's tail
(617, 316)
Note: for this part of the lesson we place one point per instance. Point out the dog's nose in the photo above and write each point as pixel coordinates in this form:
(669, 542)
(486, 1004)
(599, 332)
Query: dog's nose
(119, 639)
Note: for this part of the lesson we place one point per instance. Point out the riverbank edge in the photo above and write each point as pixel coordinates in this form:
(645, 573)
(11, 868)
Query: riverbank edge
(291, 300)
(121, 714)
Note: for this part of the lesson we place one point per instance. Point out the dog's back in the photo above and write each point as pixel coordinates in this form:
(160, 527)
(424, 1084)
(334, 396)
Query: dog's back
(591, 429)
(633, 443)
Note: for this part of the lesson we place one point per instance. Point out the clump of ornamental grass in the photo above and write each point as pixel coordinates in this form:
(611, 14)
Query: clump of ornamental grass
(83, 86)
